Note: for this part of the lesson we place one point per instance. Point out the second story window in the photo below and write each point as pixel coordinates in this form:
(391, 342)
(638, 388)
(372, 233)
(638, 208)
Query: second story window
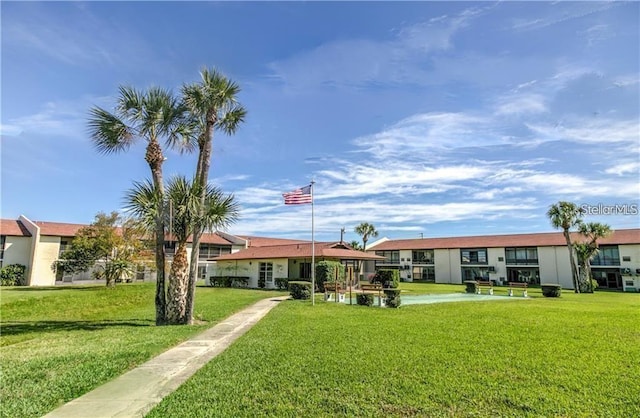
(521, 255)
(422, 256)
(391, 257)
(473, 256)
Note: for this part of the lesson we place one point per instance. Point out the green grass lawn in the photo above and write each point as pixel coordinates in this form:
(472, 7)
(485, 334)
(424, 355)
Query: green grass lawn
(59, 343)
(573, 356)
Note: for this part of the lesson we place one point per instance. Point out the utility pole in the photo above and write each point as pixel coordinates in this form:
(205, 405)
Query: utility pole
(342, 230)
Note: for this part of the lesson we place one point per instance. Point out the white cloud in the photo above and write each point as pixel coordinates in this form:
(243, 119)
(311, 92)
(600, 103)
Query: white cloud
(590, 131)
(521, 104)
(10, 130)
(620, 169)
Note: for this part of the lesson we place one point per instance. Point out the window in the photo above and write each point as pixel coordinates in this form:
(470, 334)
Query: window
(170, 248)
(426, 274)
(266, 272)
(523, 275)
(208, 251)
(521, 255)
(391, 257)
(63, 247)
(475, 273)
(474, 256)
(3, 242)
(423, 256)
(305, 270)
(607, 256)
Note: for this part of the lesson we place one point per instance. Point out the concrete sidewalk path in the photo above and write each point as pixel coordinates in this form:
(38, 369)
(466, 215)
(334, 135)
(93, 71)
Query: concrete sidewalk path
(136, 392)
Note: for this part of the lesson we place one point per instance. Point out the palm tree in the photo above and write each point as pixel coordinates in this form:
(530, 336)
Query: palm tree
(566, 215)
(366, 230)
(149, 116)
(213, 105)
(355, 245)
(593, 231)
(184, 199)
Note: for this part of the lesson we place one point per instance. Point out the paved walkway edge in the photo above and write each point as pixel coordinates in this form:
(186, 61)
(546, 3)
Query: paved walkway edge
(136, 392)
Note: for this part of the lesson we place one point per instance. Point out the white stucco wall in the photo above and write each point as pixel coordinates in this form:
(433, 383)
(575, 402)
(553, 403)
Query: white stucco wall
(555, 266)
(445, 268)
(17, 250)
(251, 269)
(46, 253)
(633, 252)
(500, 273)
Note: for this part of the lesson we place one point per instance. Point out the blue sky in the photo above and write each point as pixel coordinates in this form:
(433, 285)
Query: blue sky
(434, 118)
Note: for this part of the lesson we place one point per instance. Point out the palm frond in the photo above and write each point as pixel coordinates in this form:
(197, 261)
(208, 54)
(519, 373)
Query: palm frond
(231, 119)
(142, 202)
(108, 132)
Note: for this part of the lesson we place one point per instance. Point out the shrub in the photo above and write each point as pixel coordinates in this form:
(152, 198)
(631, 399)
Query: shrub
(300, 289)
(392, 298)
(471, 286)
(389, 278)
(238, 281)
(281, 283)
(326, 272)
(13, 275)
(262, 282)
(551, 290)
(365, 299)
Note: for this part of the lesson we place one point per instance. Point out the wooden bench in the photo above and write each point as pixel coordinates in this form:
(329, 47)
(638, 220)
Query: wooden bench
(335, 289)
(373, 288)
(485, 283)
(518, 285)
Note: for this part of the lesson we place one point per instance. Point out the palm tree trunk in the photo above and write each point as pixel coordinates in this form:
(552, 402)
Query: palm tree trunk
(177, 289)
(574, 269)
(202, 175)
(155, 158)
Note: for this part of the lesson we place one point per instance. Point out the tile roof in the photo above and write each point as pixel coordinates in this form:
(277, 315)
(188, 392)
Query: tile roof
(301, 250)
(266, 241)
(58, 229)
(13, 228)
(622, 236)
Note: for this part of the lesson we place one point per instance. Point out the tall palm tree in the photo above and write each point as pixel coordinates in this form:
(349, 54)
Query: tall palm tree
(366, 230)
(144, 115)
(567, 215)
(184, 199)
(213, 105)
(593, 231)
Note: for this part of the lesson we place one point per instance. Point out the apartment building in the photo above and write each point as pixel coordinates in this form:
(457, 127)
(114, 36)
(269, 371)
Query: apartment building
(532, 258)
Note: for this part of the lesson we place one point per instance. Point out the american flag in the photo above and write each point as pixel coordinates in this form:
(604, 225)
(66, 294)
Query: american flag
(299, 196)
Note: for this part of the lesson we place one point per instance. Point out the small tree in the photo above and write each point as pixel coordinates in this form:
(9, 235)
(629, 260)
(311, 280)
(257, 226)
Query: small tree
(567, 215)
(365, 230)
(119, 248)
(13, 275)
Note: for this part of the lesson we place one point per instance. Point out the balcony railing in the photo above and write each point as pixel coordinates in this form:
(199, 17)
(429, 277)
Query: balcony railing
(605, 261)
(522, 261)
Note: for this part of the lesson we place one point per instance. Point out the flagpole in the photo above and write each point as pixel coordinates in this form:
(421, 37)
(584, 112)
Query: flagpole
(313, 252)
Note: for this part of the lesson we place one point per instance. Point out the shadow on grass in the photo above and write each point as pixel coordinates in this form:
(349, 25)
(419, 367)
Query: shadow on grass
(26, 327)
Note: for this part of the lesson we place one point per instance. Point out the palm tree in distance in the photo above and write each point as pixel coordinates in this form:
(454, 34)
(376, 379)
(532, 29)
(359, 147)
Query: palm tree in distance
(593, 231)
(183, 197)
(366, 230)
(567, 215)
(213, 105)
(150, 116)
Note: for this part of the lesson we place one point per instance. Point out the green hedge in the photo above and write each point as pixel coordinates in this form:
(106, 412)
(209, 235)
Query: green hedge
(551, 290)
(326, 272)
(471, 286)
(229, 281)
(300, 289)
(281, 283)
(365, 299)
(392, 298)
(13, 275)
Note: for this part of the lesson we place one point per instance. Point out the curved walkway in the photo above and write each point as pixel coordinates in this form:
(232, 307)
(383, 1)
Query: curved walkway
(136, 392)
